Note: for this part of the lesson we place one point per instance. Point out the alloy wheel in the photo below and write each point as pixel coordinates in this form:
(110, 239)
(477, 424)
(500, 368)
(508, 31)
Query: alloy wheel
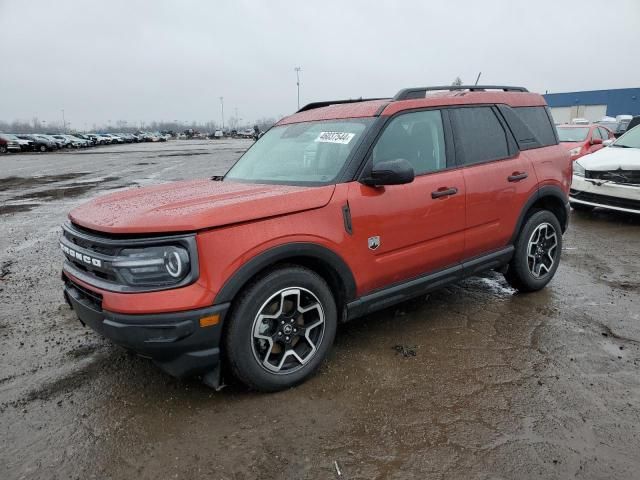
(287, 330)
(542, 250)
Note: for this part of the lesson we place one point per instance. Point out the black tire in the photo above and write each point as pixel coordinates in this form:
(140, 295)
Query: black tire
(243, 350)
(43, 148)
(520, 273)
(3, 149)
(581, 207)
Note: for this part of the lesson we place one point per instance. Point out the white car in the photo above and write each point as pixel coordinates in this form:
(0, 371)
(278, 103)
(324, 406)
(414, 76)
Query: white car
(610, 177)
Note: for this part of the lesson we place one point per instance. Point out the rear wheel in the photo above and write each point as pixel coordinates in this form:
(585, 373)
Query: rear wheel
(281, 329)
(43, 148)
(581, 207)
(537, 252)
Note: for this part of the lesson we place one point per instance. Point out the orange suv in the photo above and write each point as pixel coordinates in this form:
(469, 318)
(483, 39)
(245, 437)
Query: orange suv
(340, 209)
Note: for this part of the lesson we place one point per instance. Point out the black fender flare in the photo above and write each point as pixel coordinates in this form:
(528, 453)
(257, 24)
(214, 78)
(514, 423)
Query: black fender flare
(542, 192)
(247, 271)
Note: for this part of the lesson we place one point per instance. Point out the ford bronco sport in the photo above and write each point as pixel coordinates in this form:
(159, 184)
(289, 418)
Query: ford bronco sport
(340, 209)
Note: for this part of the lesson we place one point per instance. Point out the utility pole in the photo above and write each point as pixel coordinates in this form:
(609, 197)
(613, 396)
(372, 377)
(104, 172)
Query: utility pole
(222, 107)
(64, 123)
(298, 70)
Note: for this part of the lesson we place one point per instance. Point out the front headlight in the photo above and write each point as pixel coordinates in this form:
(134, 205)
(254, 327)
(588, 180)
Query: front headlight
(574, 152)
(578, 170)
(152, 266)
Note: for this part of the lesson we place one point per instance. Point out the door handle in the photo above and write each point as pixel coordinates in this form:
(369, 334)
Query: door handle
(444, 192)
(517, 176)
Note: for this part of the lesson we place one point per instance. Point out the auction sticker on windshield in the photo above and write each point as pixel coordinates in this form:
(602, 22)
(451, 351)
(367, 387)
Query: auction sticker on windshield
(335, 137)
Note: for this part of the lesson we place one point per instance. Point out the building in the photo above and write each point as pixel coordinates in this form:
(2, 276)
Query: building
(593, 104)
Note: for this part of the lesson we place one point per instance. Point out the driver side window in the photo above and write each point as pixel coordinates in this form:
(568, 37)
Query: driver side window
(418, 137)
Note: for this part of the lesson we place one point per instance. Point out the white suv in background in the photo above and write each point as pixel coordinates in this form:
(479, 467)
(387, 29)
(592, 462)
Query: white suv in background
(609, 178)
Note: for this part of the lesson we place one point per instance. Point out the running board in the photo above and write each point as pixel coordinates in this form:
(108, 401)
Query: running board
(401, 292)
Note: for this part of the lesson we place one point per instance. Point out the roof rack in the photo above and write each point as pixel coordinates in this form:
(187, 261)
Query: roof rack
(311, 106)
(412, 93)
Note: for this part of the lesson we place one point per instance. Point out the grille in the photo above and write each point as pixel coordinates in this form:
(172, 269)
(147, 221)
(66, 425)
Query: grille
(606, 200)
(618, 176)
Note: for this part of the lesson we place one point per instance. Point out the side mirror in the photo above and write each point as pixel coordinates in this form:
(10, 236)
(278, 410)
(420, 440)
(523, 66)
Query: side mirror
(596, 141)
(390, 172)
(608, 142)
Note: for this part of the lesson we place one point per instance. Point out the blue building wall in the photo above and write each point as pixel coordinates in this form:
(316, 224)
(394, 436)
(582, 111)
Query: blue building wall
(621, 101)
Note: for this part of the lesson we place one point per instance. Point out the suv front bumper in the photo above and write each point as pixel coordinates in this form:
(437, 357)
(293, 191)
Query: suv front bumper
(174, 341)
(605, 194)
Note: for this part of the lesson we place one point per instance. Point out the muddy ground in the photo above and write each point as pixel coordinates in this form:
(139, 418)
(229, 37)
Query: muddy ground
(494, 384)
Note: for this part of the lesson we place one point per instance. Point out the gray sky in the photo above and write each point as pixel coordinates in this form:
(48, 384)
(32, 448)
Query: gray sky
(160, 60)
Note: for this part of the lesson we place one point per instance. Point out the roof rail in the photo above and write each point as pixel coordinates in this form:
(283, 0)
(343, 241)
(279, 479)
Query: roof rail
(311, 106)
(412, 93)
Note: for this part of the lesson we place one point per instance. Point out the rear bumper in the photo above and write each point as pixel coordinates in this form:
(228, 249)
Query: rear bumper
(174, 341)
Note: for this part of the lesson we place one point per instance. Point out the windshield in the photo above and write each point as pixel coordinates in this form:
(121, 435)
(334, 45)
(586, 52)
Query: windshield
(573, 134)
(310, 152)
(631, 139)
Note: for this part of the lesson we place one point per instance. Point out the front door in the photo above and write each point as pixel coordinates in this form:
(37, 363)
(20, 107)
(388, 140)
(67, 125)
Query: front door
(417, 228)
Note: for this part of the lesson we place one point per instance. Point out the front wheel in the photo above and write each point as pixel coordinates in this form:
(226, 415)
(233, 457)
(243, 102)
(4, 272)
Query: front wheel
(537, 253)
(281, 329)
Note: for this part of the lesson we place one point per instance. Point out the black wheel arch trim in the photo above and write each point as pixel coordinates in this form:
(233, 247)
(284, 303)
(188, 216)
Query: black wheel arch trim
(282, 253)
(542, 192)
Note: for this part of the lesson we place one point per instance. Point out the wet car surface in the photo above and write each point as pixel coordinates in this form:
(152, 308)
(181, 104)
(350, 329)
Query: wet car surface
(473, 381)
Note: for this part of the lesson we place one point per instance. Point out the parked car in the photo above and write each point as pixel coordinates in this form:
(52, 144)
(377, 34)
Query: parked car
(610, 178)
(88, 141)
(8, 143)
(42, 142)
(60, 142)
(26, 144)
(633, 122)
(257, 267)
(104, 139)
(581, 140)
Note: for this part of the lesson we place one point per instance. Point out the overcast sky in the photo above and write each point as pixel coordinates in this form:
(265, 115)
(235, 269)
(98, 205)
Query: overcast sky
(164, 60)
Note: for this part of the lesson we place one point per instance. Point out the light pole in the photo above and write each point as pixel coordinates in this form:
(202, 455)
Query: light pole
(298, 70)
(64, 123)
(222, 107)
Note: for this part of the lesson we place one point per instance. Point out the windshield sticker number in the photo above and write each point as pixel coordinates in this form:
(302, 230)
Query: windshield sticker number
(335, 137)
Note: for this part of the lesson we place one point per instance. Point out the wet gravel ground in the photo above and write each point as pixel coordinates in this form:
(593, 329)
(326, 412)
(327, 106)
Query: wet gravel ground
(474, 381)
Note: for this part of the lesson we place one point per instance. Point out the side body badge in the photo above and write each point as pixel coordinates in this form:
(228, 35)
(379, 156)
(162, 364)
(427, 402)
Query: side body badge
(374, 242)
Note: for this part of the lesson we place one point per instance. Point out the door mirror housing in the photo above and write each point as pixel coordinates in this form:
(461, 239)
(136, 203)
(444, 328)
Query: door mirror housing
(608, 142)
(390, 172)
(596, 141)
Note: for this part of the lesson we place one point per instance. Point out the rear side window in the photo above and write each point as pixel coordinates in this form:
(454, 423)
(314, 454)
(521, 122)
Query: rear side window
(479, 135)
(538, 121)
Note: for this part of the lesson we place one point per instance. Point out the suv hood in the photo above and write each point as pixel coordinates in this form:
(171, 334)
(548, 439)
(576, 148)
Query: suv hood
(194, 205)
(612, 158)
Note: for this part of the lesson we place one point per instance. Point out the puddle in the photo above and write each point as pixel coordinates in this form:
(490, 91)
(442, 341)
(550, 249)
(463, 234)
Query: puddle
(65, 191)
(182, 154)
(10, 209)
(15, 182)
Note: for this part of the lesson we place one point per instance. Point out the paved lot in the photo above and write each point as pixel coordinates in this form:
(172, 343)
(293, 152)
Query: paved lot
(502, 385)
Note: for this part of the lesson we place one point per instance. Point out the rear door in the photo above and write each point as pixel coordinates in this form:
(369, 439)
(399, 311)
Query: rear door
(498, 178)
(417, 228)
